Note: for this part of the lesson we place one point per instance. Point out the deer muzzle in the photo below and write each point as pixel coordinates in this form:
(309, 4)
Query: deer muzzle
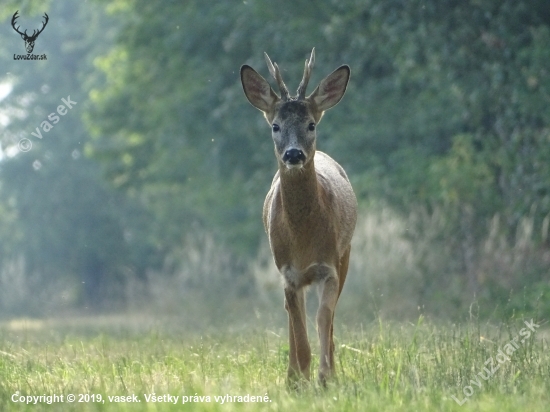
(294, 157)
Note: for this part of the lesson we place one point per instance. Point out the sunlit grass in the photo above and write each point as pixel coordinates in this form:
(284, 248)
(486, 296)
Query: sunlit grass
(381, 367)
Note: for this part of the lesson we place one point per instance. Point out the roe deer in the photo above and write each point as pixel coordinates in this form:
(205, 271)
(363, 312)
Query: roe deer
(310, 211)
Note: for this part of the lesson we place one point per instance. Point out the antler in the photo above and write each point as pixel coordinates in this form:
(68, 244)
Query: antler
(34, 36)
(307, 73)
(15, 16)
(274, 70)
(34, 32)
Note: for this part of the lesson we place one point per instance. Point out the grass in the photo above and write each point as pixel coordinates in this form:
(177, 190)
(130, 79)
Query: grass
(381, 367)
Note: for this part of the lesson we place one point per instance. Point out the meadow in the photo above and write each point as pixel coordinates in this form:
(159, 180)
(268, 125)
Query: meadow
(144, 364)
(202, 339)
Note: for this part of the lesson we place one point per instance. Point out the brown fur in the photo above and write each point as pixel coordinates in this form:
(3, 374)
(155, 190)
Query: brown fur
(310, 211)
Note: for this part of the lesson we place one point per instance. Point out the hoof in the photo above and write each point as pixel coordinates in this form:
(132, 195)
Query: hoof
(296, 381)
(324, 377)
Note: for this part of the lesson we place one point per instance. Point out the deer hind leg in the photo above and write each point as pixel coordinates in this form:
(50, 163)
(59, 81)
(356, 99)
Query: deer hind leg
(325, 318)
(300, 352)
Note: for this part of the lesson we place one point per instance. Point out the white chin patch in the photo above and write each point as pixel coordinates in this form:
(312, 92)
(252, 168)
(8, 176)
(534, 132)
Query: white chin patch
(296, 166)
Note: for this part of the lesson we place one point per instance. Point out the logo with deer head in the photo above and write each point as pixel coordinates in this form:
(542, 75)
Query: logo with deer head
(29, 40)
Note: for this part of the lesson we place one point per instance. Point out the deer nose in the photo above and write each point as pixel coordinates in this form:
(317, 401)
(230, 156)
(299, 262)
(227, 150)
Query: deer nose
(294, 156)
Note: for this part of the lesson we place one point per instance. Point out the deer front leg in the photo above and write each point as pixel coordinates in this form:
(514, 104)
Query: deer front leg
(325, 316)
(300, 352)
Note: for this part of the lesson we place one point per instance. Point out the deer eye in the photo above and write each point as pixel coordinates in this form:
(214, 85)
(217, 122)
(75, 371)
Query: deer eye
(311, 127)
(275, 127)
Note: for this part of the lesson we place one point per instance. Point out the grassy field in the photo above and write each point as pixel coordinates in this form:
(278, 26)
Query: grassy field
(381, 367)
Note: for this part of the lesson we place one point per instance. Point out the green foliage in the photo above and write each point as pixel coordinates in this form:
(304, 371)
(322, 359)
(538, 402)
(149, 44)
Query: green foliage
(25, 7)
(57, 215)
(445, 120)
(172, 110)
(447, 112)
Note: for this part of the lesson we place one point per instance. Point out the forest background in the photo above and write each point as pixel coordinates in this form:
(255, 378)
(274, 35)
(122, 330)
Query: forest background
(146, 195)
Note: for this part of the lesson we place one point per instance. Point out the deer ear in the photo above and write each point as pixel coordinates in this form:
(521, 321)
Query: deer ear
(257, 90)
(331, 89)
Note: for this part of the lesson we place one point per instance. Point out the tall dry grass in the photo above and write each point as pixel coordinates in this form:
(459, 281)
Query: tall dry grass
(400, 267)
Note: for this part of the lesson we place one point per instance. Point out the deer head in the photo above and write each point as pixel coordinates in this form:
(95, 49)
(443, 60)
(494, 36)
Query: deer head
(29, 40)
(294, 119)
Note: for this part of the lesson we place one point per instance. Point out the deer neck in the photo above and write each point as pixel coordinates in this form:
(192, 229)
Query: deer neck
(300, 193)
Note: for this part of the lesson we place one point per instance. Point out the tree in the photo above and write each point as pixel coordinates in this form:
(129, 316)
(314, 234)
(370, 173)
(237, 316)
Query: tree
(67, 225)
(447, 109)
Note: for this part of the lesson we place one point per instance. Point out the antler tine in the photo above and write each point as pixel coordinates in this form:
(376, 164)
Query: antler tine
(275, 72)
(13, 19)
(307, 73)
(269, 64)
(46, 17)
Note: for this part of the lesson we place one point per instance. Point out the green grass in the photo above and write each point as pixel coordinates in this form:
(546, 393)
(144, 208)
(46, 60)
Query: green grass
(381, 367)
